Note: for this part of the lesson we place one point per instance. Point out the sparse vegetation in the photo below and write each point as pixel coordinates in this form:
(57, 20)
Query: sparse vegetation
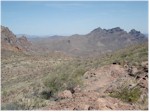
(37, 78)
(127, 94)
(132, 54)
(12, 106)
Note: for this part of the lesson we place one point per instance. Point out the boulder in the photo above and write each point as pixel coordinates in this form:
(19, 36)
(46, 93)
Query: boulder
(65, 94)
(77, 89)
(145, 66)
(134, 70)
(143, 82)
(102, 104)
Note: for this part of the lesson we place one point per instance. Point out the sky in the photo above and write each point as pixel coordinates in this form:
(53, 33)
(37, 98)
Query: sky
(67, 18)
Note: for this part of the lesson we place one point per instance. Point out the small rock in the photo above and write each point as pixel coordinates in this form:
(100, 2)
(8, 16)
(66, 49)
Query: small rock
(86, 107)
(126, 66)
(143, 83)
(144, 64)
(134, 70)
(65, 94)
(77, 89)
(101, 103)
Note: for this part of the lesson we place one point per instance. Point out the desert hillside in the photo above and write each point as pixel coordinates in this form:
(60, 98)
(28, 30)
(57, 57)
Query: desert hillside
(102, 70)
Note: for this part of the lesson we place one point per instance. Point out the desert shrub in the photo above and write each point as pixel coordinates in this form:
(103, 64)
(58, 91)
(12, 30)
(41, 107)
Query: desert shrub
(31, 103)
(46, 94)
(54, 83)
(12, 106)
(127, 94)
(66, 77)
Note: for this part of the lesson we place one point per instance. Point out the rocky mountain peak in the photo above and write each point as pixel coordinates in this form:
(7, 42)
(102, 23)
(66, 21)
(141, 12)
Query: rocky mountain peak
(4, 28)
(97, 30)
(116, 29)
(7, 36)
(136, 33)
(113, 30)
(11, 42)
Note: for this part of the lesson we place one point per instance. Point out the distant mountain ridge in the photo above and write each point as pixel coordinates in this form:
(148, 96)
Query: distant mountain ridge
(98, 41)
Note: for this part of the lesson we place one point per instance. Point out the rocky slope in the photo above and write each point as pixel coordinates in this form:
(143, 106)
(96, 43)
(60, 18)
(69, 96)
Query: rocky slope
(24, 77)
(9, 41)
(99, 84)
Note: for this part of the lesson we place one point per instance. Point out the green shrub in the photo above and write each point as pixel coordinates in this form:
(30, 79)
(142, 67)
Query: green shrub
(64, 79)
(127, 95)
(54, 83)
(46, 94)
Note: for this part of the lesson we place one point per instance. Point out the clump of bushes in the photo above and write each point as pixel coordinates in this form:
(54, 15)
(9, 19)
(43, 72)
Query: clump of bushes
(127, 94)
(66, 77)
(46, 94)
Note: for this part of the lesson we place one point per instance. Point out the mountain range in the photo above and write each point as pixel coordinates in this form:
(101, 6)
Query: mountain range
(98, 41)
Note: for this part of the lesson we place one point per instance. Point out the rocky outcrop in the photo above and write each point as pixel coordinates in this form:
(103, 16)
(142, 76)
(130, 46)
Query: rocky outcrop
(9, 41)
(24, 43)
(136, 34)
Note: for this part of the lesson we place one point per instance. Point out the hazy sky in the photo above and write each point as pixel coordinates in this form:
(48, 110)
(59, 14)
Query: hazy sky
(66, 18)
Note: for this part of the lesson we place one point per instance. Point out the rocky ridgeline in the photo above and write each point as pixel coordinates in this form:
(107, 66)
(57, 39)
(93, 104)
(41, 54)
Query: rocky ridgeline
(97, 42)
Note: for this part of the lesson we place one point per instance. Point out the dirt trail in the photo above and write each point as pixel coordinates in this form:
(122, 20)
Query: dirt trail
(101, 78)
